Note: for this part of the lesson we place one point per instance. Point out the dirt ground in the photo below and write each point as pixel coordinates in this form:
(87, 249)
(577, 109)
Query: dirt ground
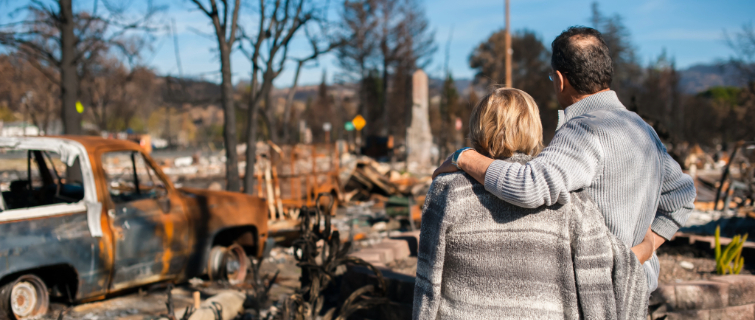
(142, 304)
(149, 303)
(678, 263)
(687, 263)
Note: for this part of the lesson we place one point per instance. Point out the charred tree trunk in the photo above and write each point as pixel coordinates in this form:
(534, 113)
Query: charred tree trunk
(251, 149)
(229, 115)
(69, 82)
(289, 105)
(251, 134)
(272, 122)
(384, 103)
(225, 45)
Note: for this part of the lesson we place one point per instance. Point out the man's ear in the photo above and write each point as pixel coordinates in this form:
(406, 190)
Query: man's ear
(561, 81)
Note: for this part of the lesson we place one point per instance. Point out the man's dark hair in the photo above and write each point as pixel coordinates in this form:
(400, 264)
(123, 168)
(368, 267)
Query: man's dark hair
(583, 57)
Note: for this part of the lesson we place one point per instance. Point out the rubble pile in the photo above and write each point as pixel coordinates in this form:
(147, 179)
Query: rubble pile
(367, 177)
(380, 214)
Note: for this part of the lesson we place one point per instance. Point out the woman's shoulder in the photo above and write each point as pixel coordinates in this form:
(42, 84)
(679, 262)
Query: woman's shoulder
(453, 182)
(449, 188)
(451, 196)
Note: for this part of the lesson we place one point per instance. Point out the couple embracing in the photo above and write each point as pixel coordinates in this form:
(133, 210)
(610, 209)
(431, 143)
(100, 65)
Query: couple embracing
(514, 230)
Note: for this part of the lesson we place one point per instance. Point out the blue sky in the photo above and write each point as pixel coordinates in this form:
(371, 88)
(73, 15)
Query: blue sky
(691, 31)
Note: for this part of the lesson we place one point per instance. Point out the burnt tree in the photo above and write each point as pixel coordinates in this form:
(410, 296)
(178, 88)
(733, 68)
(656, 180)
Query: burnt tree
(278, 22)
(226, 28)
(55, 36)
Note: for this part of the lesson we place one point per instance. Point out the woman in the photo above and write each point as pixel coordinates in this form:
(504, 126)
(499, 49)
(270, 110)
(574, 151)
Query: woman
(483, 258)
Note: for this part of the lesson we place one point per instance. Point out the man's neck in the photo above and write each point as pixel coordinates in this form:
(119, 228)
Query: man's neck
(577, 98)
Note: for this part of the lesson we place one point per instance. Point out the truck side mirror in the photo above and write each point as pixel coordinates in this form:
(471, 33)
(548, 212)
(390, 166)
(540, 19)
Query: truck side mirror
(164, 203)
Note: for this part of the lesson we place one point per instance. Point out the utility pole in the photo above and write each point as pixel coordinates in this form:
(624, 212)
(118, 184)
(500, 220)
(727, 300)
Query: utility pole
(508, 47)
(448, 52)
(175, 48)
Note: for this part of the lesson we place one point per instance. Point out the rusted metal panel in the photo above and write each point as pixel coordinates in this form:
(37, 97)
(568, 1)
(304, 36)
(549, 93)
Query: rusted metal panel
(295, 175)
(59, 240)
(205, 212)
(150, 245)
(213, 212)
(140, 241)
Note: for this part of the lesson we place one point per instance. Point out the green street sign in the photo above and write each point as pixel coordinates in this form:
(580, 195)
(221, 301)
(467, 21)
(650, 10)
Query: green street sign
(349, 126)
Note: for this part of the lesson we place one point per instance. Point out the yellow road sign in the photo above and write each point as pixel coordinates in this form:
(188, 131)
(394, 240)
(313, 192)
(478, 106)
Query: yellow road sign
(359, 122)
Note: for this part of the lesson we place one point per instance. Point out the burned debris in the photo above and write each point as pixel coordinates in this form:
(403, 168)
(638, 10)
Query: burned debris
(320, 254)
(326, 234)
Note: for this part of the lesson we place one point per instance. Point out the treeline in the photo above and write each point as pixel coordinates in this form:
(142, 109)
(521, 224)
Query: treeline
(61, 60)
(717, 116)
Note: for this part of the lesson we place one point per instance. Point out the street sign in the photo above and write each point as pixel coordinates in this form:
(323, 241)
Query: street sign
(348, 126)
(359, 122)
(326, 126)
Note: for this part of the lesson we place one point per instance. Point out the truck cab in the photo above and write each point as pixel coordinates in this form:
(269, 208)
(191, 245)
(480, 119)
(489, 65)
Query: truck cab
(85, 217)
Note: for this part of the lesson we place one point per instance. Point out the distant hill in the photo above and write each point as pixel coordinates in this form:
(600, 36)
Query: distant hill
(462, 85)
(701, 77)
(304, 93)
(188, 90)
(697, 78)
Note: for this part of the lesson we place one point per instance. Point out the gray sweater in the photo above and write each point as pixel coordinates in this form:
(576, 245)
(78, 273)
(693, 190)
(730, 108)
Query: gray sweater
(483, 258)
(618, 160)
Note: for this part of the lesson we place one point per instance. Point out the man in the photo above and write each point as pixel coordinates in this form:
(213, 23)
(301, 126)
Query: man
(599, 146)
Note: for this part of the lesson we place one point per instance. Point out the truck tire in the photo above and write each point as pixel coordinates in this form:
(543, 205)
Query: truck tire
(228, 263)
(24, 298)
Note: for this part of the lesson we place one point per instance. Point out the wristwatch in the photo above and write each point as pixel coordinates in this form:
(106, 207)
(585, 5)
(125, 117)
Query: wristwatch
(456, 155)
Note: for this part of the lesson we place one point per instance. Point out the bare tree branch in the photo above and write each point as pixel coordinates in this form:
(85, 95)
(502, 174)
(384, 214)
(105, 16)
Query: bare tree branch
(225, 47)
(201, 7)
(234, 24)
(68, 40)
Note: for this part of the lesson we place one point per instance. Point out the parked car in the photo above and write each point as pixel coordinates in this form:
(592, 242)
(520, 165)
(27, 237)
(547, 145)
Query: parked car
(84, 217)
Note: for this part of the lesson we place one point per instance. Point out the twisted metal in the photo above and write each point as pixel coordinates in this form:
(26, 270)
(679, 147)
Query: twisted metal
(171, 315)
(308, 302)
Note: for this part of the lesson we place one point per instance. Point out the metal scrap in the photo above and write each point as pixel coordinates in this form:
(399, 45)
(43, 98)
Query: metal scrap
(317, 274)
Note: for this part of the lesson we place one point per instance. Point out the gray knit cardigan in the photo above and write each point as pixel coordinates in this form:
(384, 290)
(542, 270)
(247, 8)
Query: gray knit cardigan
(483, 258)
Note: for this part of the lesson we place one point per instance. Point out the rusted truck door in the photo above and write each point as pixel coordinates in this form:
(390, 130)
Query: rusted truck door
(149, 228)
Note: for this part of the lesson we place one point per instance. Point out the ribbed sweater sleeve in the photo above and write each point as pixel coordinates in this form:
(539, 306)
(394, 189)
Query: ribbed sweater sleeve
(570, 162)
(677, 199)
(432, 245)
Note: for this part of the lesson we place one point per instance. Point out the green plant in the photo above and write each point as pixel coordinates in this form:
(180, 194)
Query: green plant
(730, 260)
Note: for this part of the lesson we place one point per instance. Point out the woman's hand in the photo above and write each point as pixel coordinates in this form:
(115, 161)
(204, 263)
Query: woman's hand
(644, 250)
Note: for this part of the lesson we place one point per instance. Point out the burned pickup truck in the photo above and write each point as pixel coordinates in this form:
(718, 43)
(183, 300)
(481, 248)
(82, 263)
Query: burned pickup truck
(85, 217)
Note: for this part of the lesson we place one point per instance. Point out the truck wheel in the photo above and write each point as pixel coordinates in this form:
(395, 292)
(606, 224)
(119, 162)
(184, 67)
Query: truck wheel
(25, 297)
(228, 263)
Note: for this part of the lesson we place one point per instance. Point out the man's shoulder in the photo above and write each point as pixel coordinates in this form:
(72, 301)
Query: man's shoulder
(610, 119)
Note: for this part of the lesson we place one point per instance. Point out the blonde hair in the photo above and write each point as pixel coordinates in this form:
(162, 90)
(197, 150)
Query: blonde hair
(504, 122)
